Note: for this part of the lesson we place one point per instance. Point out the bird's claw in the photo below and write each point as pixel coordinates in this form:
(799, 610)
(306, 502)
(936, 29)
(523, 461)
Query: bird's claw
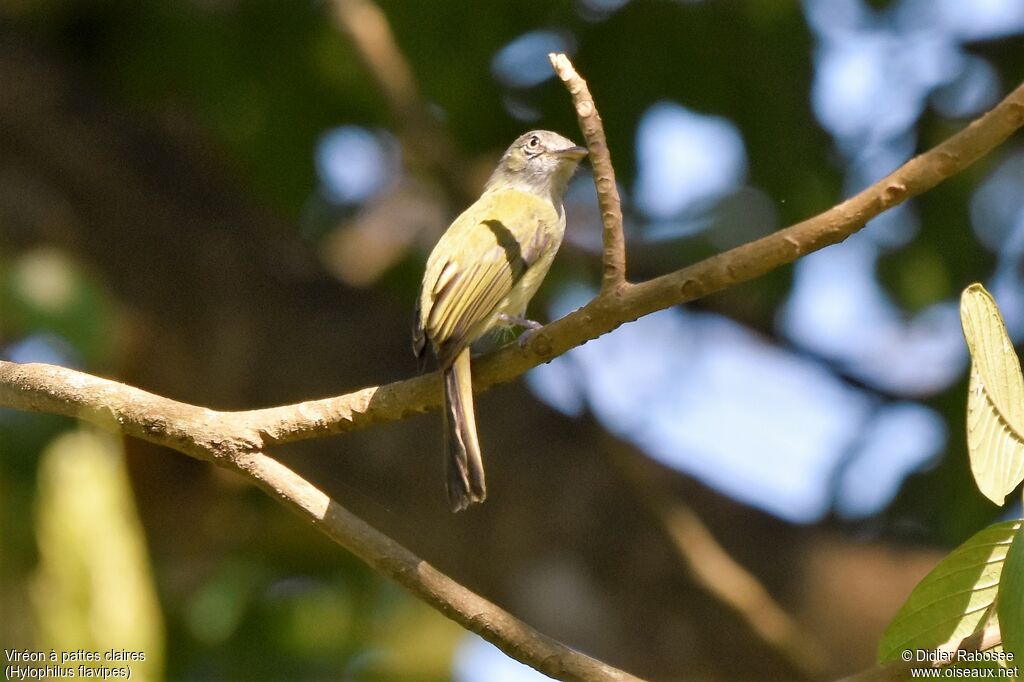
(515, 321)
(525, 337)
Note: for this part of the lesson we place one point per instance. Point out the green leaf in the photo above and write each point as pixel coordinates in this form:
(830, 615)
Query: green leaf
(995, 400)
(1011, 598)
(93, 588)
(954, 599)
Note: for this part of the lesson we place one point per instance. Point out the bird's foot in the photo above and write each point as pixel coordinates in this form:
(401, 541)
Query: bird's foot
(515, 321)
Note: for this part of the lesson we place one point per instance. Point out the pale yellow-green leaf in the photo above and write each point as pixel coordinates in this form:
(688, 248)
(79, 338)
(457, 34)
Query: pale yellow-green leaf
(416, 643)
(995, 400)
(93, 589)
(953, 600)
(1011, 599)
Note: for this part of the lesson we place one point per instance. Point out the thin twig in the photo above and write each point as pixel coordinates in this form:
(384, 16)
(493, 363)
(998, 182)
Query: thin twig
(717, 572)
(424, 139)
(614, 259)
(729, 582)
(218, 437)
(368, 29)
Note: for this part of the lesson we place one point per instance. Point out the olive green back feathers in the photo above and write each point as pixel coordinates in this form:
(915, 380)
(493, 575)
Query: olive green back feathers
(488, 264)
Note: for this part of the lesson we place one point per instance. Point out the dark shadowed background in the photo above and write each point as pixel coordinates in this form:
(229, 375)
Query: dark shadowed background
(220, 202)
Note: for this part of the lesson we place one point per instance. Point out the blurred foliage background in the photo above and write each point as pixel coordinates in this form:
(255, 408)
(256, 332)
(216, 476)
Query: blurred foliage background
(228, 202)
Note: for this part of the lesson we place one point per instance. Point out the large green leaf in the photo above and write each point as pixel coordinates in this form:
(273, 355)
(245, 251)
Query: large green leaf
(954, 599)
(995, 401)
(1011, 599)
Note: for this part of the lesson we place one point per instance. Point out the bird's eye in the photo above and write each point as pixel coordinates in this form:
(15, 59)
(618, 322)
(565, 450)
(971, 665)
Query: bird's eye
(534, 142)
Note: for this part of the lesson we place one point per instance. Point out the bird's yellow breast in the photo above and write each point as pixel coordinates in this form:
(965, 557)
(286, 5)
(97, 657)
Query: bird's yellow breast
(490, 261)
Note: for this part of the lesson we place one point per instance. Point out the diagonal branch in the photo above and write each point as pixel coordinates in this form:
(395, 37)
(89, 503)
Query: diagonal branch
(628, 302)
(368, 29)
(614, 271)
(713, 569)
(237, 440)
(221, 438)
(425, 140)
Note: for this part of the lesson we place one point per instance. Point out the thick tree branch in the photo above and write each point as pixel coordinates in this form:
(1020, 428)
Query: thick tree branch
(237, 440)
(614, 259)
(629, 302)
(226, 440)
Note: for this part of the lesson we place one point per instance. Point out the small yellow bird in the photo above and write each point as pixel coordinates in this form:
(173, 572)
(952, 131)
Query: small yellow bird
(481, 274)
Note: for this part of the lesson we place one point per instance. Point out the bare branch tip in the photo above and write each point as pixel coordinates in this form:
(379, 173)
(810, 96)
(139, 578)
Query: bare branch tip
(562, 66)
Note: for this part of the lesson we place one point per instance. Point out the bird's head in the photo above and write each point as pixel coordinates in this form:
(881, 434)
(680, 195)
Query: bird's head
(539, 161)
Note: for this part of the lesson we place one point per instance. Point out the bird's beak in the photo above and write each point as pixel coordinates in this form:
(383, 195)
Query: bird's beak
(573, 153)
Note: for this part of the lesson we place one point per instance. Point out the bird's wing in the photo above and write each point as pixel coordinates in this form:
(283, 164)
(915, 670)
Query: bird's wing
(477, 262)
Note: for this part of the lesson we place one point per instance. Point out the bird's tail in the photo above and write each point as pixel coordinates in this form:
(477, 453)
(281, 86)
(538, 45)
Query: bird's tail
(464, 468)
